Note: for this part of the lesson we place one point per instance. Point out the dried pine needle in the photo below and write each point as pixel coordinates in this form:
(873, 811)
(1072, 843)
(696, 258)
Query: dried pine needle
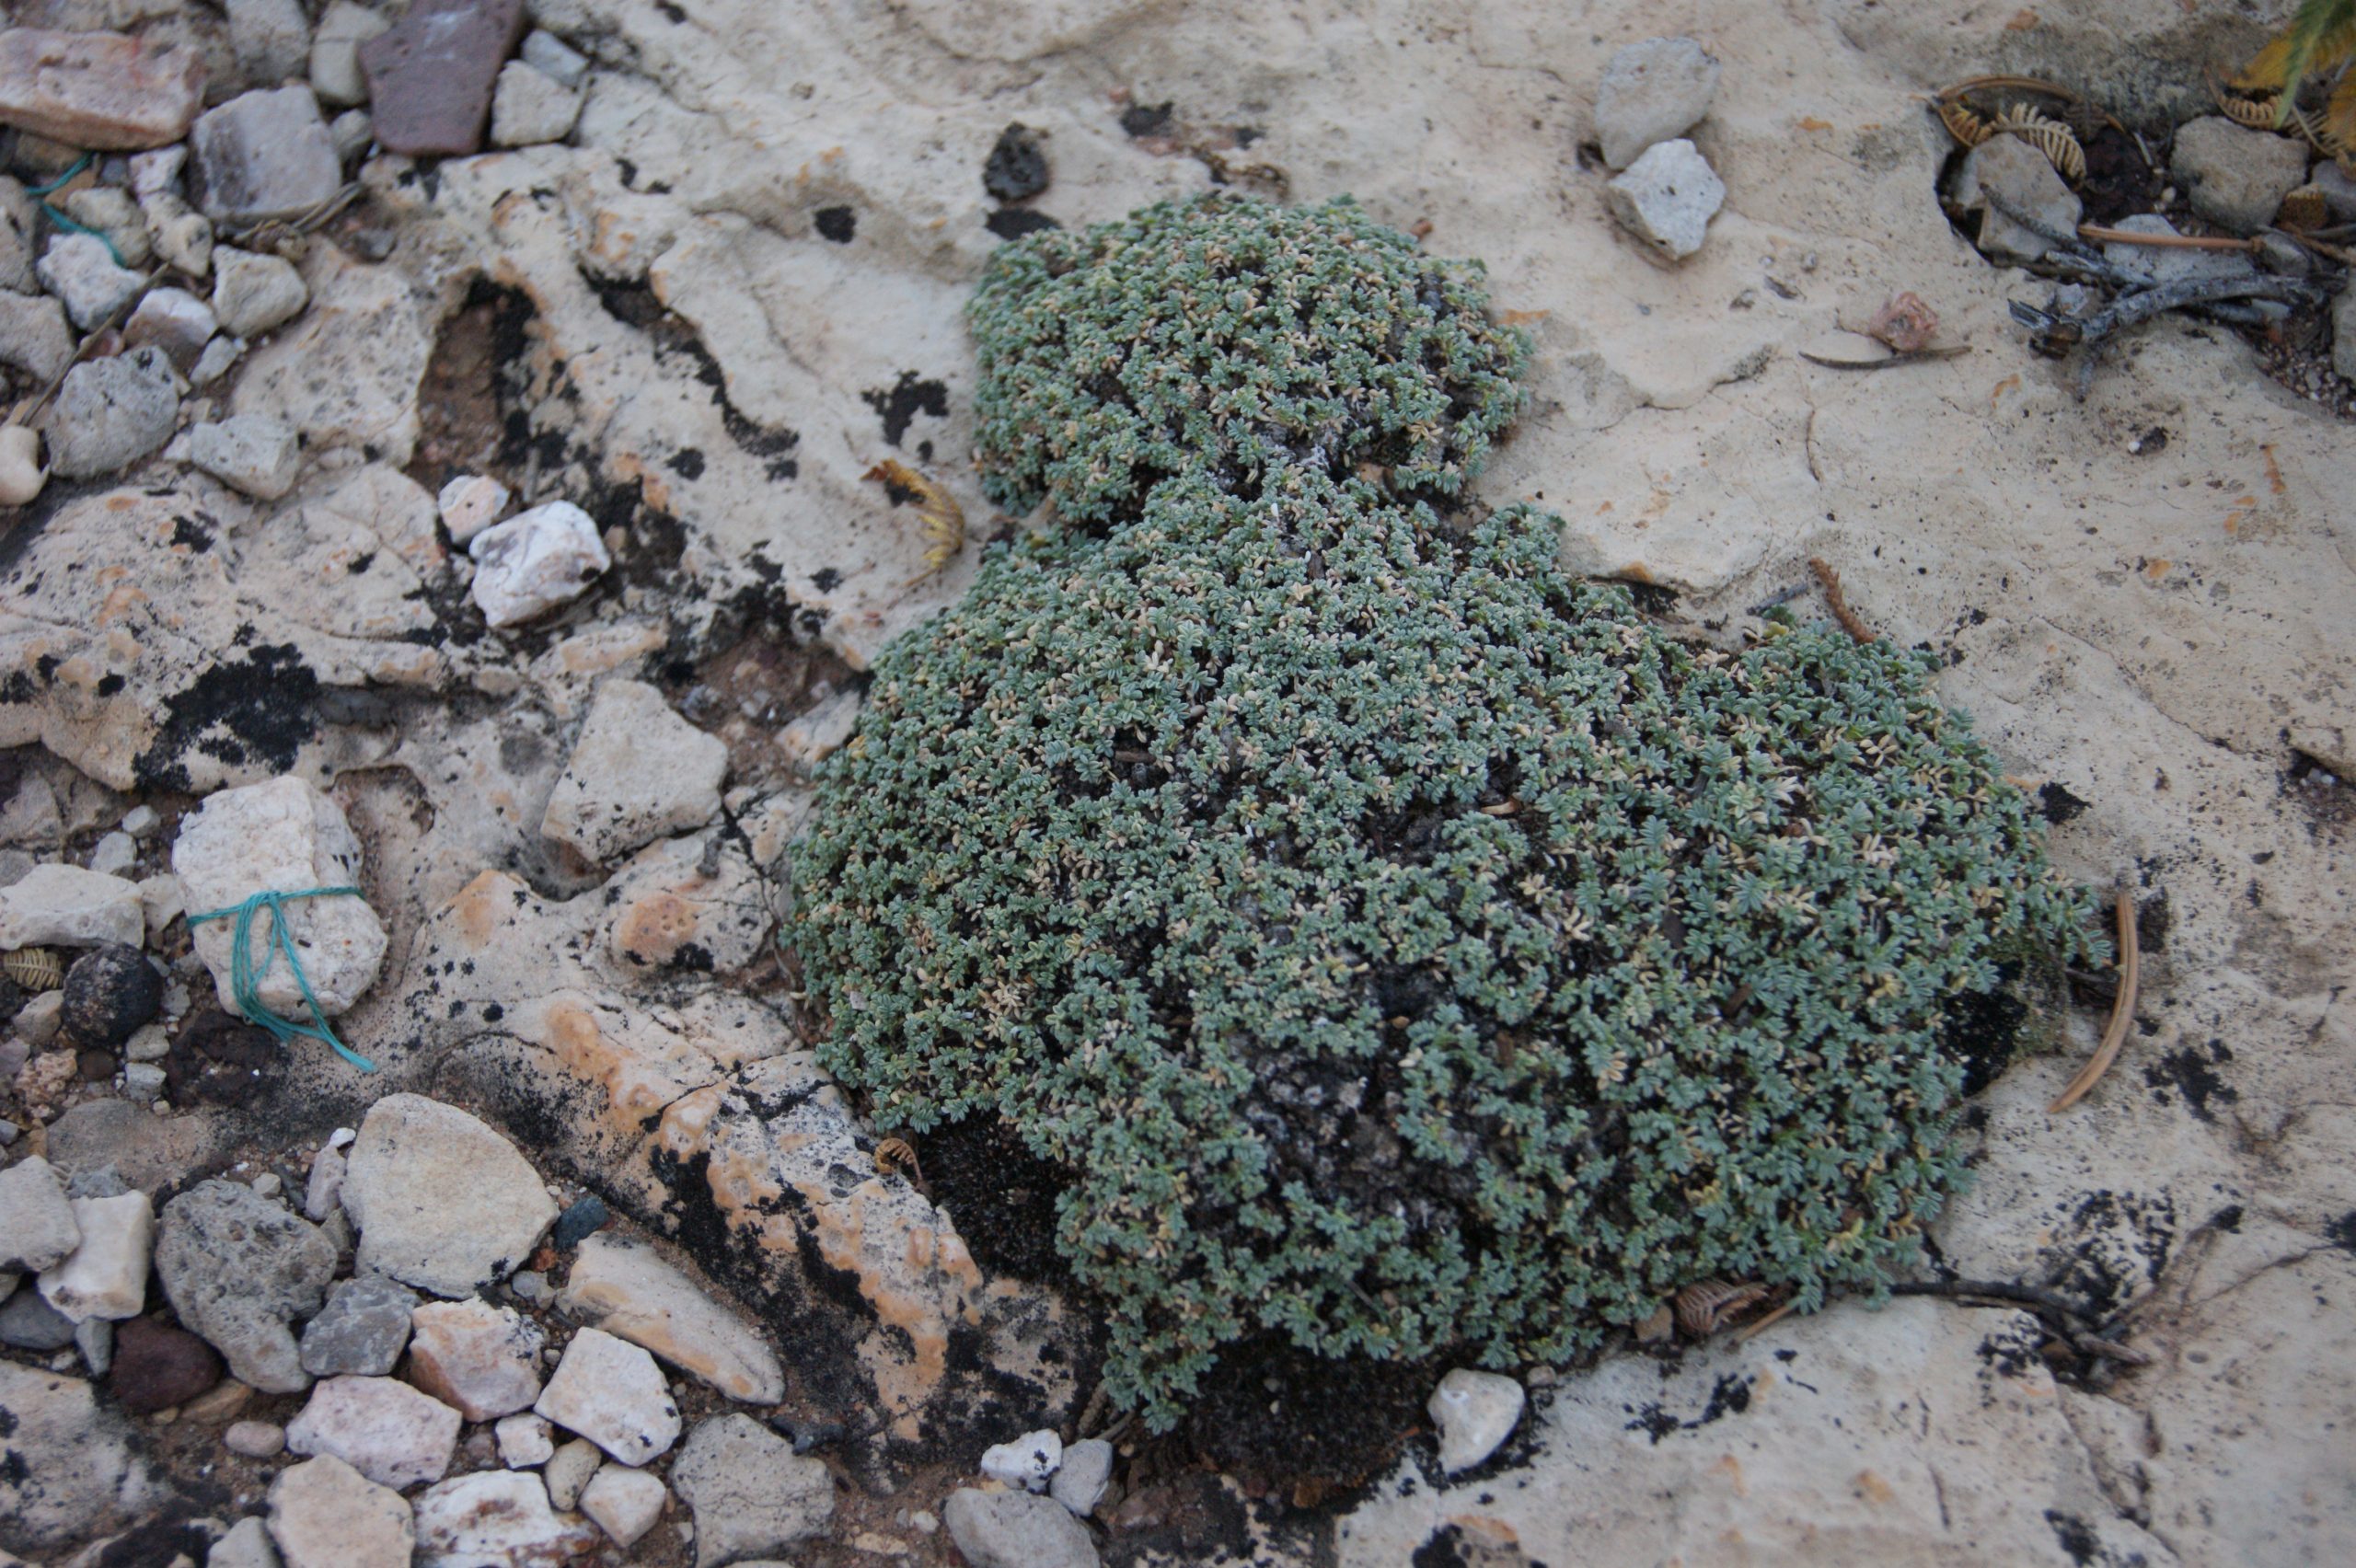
(2122, 1010)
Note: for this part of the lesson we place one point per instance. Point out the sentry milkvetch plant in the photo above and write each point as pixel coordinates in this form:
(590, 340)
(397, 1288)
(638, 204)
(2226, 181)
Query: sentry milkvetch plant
(1406, 948)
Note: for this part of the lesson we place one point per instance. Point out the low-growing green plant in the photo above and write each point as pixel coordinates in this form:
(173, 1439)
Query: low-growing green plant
(1404, 947)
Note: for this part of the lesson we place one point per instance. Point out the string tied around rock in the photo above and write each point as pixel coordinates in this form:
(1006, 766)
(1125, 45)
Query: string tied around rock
(245, 978)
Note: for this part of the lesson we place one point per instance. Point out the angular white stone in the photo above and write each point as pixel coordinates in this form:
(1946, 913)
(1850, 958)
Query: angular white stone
(753, 1495)
(443, 1202)
(335, 52)
(67, 907)
(253, 293)
(470, 503)
(270, 39)
(324, 1513)
(610, 1391)
(81, 272)
(481, 1359)
(530, 564)
(106, 1276)
(34, 338)
(1474, 1412)
(570, 1469)
(282, 835)
(183, 236)
(2022, 178)
(624, 1502)
(252, 453)
(554, 58)
(323, 1193)
(110, 210)
(1026, 1462)
(1081, 1479)
(264, 154)
(175, 321)
(36, 1226)
(524, 1440)
(385, 1430)
(21, 475)
(625, 1288)
(496, 1517)
(1651, 91)
(1013, 1529)
(529, 107)
(247, 1545)
(1668, 197)
(639, 772)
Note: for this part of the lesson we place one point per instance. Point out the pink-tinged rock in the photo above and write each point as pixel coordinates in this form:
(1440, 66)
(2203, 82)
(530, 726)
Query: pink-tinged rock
(265, 155)
(497, 1517)
(326, 1515)
(480, 1358)
(385, 1430)
(432, 77)
(611, 1392)
(99, 90)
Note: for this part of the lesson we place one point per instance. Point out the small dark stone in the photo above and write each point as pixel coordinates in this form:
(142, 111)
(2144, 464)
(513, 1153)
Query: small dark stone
(28, 1322)
(109, 993)
(836, 223)
(1013, 223)
(575, 1224)
(1146, 119)
(221, 1059)
(431, 78)
(158, 1366)
(94, 1065)
(1016, 169)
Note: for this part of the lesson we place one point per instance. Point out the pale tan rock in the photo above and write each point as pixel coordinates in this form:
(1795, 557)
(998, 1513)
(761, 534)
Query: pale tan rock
(324, 1513)
(98, 89)
(611, 1392)
(638, 772)
(482, 1360)
(106, 1276)
(625, 1288)
(443, 1202)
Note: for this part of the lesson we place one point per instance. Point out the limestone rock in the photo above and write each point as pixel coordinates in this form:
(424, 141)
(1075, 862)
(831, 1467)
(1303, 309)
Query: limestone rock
(252, 293)
(570, 1470)
(247, 1545)
(241, 1271)
(325, 1514)
(470, 503)
(37, 1229)
(1652, 91)
(611, 1392)
(283, 836)
(17, 226)
(2234, 176)
(111, 413)
(1668, 197)
(1079, 1481)
(1026, 1462)
(2017, 175)
(347, 372)
(33, 335)
(183, 236)
(625, 1288)
(431, 78)
(106, 1276)
(625, 1502)
(272, 40)
(753, 1495)
(1015, 1529)
(83, 273)
(173, 320)
(68, 1471)
(255, 1440)
(1474, 1412)
(524, 1441)
(442, 1202)
(335, 52)
(530, 107)
(361, 1331)
(99, 90)
(496, 1517)
(639, 772)
(535, 562)
(483, 1360)
(385, 1430)
(54, 905)
(263, 155)
(554, 58)
(252, 453)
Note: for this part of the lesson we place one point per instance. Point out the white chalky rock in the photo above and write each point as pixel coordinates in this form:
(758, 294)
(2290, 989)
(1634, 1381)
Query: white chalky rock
(1651, 91)
(281, 835)
(37, 1228)
(625, 1288)
(175, 321)
(253, 293)
(157, 172)
(21, 475)
(247, 1545)
(1667, 198)
(1475, 1411)
(569, 1470)
(336, 76)
(638, 772)
(252, 453)
(554, 58)
(106, 1276)
(532, 563)
(481, 1359)
(183, 236)
(530, 107)
(67, 907)
(385, 1429)
(1081, 1479)
(525, 1440)
(1026, 1462)
(470, 503)
(496, 1517)
(624, 1502)
(80, 271)
(324, 1513)
(442, 1202)
(610, 1391)
(114, 855)
(1013, 1529)
(34, 336)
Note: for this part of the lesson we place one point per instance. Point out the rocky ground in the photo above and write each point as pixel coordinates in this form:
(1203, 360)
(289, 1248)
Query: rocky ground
(494, 534)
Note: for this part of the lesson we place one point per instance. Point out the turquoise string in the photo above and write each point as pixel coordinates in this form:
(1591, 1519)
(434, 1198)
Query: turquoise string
(79, 165)
(245, 980)
(61, 220)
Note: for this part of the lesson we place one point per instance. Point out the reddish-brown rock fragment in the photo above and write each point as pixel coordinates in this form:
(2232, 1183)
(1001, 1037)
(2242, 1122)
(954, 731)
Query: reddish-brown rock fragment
(431, 78)
(103, 91)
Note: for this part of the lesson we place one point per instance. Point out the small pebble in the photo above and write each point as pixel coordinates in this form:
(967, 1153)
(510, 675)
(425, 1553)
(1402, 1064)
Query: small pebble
(255, 1440)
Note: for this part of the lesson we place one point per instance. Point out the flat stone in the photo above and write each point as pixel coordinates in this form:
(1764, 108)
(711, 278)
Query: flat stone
(254, 454)
(431, 78)
(158, 1367)
(255, 1440)
(252, 293)
(442, 1202)
(470, 503)
(611, 1392)
(753, 1495)
(37, 1229)
(175, 321)
(2234, 176)
(626, 1288)
(535, 562)
(33, 335)
(1079, 1481)
(28, 1322)
(247, 1545)
(386, 1430)
(1015, 1529)
(111, 413)
(530, 107)
(56, 905)
(525, 1440)
(498, 1517)
(335, 52)
(570, 1469)
(1026, 1462)
(83, 273)
(2020, 176)
(361, 1331)
(279, 835)
(1651, 91)
(625, 1503)
(272, 40)
(241, 1271)
(100, 90)
(106, 1276)
(66, 1468)
(482, 1359)
(1474, 1412)
(639, 772)
(325, 1514)
(265, 153)
(1668, 197)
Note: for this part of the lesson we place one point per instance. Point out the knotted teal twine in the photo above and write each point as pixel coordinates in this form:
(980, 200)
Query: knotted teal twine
(68, 225)
(245, 980)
